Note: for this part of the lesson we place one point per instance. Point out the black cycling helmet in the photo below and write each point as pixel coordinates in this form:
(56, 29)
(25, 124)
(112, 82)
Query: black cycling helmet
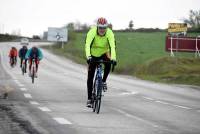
(24, 47)
(34, 48)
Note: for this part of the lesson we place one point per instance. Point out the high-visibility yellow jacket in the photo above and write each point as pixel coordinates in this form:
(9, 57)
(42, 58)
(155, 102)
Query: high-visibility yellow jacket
(97, 45)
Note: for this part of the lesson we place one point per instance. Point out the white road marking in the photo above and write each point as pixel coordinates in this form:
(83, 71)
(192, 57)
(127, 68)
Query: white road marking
(182, 107)
(116, 88)
(23, 89)
(20, 85)
(45, 109)
(62, 121)
(16, 81)
(34, 102)
(135, 117)
(129, 93)
(162, 102)
(13, 77)
(27, 95)
(148, 98)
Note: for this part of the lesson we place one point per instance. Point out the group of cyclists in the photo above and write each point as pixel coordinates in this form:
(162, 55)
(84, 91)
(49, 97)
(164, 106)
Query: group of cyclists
(100, 44)
(25, 55)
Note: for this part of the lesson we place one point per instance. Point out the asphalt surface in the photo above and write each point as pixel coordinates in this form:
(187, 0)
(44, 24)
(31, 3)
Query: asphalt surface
(56, 102)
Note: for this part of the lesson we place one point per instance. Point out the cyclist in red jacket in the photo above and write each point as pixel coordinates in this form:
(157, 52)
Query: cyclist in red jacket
(13, 56)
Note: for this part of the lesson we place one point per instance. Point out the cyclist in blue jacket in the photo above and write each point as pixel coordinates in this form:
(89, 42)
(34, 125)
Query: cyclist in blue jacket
(34, 53)
(22, 54)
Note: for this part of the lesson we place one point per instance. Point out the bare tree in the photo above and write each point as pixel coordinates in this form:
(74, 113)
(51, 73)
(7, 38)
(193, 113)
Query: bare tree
(85, 27)
(194, 19)
(70, 26)
(131, 25)
(77, 25)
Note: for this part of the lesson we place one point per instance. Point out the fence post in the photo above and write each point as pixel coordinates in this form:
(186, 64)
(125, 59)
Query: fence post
(197, 50)
(172, 54)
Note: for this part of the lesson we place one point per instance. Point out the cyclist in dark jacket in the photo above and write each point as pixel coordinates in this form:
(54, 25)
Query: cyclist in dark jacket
(22, 54)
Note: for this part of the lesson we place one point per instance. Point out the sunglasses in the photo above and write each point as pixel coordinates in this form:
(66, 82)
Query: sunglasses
(102, 27)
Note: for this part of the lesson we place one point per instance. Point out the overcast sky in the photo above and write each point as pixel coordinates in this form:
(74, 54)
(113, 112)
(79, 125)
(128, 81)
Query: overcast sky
(33, 17)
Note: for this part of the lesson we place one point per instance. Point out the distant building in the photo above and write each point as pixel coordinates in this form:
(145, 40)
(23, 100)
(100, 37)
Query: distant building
(45, 35)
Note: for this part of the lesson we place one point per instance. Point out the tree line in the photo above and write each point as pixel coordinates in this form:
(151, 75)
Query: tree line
(193, 22)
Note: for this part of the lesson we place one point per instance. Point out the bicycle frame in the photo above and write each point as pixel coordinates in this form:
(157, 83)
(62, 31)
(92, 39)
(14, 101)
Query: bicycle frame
(99, 79)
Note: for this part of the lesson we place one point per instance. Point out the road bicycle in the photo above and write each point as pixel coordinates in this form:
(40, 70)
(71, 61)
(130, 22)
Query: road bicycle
(33, 70)
(98, 86)
(13, 62)
(23, 67)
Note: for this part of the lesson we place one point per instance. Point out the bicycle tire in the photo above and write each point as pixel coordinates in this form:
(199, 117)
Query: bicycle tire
(94, 103)
(12, 62)
(99, 94)
(23, 69)
(33, 75)
(94, 95)
(98, 105)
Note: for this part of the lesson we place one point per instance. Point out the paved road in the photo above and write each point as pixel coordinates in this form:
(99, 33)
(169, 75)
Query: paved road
(55, 103)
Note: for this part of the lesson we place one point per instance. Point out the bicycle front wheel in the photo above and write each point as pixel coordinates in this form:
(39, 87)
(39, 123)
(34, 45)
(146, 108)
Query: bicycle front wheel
(94, 95)
(99, 94)
(98, 105)
(33, 75)
(23, 69)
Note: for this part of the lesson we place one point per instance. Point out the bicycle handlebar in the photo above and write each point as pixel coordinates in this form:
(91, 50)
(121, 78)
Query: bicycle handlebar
(103, 61)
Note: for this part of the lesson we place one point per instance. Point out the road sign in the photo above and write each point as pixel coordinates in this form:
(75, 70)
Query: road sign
(177, 27)
(57, 34)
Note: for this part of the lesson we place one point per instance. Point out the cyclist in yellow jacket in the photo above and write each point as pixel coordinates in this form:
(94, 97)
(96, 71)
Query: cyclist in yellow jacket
(100, 44)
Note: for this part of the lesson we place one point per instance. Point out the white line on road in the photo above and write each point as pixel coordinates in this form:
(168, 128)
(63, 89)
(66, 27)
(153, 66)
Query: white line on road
(20, 85)
(148, 98)
(62, 121)
(16, 81)
(129, 93)
(135, 117)
(23, 89)
(27, 95)
(181, 106)
(34, 102)
(162, 102)
(13, 77)
(45, 109)
(116, 88)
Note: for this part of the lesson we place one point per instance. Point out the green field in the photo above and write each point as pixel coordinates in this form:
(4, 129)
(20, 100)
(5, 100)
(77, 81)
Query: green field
(136, 52)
